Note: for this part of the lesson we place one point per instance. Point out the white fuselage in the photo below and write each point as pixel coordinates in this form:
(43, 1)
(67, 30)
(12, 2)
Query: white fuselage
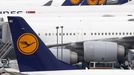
(79, 23)
(36, 3)
(81, 72)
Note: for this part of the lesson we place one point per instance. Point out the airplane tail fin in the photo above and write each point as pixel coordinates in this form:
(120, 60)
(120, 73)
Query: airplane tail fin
(32, 54)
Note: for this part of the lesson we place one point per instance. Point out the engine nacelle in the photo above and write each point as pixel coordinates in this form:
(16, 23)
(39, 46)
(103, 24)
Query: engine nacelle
(102, 51)
(69, 56)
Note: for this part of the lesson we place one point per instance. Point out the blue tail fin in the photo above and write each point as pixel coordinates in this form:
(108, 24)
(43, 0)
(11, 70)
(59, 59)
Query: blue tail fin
(32, 54)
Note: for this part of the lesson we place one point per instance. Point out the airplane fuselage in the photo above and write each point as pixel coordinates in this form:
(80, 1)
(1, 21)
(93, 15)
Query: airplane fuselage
(79, 23)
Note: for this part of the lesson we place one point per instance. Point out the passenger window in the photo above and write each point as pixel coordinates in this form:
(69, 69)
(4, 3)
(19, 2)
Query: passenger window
(126, 33)
(63, 33)
(73, 33)
(46, 34)
(84, 33)
(49, 34)
(123, 33)
(130, 33)
(94, 33)
(66, 33)
(105, 33)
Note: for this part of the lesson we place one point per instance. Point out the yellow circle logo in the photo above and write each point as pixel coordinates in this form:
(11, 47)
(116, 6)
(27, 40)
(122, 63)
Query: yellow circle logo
(92, 2)
(102, 2)
(27, 43)
(75, 1)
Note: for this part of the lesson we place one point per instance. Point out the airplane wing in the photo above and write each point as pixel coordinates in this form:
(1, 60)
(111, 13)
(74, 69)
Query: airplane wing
(55, 45)
(127, 42)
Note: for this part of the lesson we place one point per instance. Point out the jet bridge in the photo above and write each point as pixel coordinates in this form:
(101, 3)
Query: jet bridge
(5, 40)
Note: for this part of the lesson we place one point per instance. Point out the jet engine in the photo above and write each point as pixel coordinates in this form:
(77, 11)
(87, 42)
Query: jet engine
(102, 51)
(66, 55)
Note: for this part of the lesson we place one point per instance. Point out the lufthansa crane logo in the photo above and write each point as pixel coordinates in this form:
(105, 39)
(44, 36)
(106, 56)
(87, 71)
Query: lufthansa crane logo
(27, 43)
(75, 1)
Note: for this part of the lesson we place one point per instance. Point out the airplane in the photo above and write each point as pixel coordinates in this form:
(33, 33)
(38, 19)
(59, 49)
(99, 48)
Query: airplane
(75, 38)
(22, 2)
(38, 59)
(43, 54)
(64, 2)
(73, 42)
